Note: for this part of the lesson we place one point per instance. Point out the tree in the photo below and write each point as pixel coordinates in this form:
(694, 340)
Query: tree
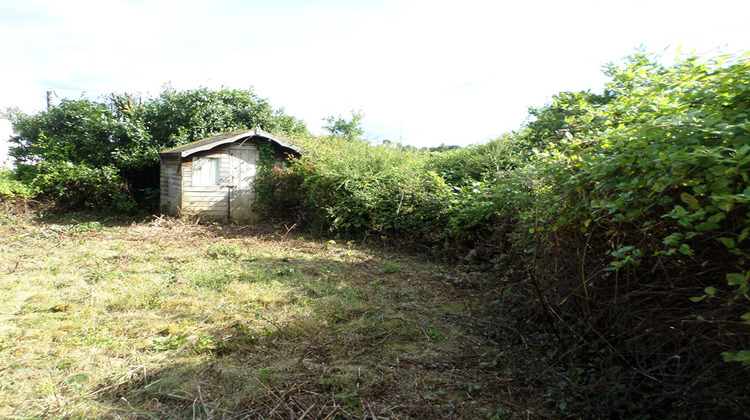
(117, 140)
(80, 132)
(176, 118)
(350, 129)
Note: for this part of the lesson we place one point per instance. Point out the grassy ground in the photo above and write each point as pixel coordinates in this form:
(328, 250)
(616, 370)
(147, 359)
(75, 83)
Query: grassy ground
(175, 319)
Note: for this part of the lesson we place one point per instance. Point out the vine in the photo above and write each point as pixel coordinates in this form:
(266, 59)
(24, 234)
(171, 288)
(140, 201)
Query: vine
(264, 182)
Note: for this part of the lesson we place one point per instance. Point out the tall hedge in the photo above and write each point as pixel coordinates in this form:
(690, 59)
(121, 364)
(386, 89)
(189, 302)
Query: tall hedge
(639, 225)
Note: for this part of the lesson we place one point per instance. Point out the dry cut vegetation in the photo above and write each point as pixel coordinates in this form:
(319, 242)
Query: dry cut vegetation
(177, 319)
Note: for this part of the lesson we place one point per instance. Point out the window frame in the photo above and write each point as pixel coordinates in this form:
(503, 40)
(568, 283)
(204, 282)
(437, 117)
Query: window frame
(206, 171)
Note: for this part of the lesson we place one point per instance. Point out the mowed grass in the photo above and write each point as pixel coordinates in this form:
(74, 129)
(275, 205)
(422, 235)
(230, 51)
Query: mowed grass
(175, 319)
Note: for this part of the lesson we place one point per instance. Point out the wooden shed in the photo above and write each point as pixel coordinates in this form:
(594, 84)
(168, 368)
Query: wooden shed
(214, 177)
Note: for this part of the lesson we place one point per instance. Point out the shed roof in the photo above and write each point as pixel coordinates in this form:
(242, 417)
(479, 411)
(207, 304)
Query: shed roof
(225, 138)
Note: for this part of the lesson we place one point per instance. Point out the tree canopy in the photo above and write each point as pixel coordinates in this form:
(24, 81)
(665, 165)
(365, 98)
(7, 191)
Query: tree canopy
(118, 138)
(340, 126)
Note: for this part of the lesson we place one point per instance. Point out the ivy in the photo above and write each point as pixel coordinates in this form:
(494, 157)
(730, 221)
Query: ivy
(265, 179)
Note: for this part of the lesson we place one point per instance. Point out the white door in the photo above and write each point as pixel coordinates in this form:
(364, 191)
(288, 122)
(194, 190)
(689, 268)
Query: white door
(243, 168)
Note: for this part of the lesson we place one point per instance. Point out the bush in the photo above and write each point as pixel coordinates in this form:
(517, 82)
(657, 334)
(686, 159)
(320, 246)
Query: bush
(462, 166)
(79, 187)
(639, 221)
(352, 187)
(121, 137)
(11, 188)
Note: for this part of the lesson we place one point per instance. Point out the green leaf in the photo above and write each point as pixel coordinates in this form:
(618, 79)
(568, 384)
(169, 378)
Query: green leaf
(728, 242)
(710, 290)
(742, 356)
(743, 234)
(716, 218)
(706, 226)
(736, 279)
(76, 378)
(725, 205)
(673, 239)
(719, 170)
(691, 201)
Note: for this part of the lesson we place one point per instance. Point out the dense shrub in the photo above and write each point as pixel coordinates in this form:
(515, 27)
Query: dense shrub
(627, 213)
(353, 187)
(79, 187)
(463, 166)
(640, 222)
(121, 136)
(630, 224)
(11, 188)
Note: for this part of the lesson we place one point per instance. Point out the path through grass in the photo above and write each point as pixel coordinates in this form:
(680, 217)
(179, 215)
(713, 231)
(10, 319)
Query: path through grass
(172, 319)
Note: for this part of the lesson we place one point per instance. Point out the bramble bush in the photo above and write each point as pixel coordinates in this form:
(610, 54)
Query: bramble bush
(463, 166)
(353, 187)
(625, 215)
(81, 187)
(629, 221)
(640, 221)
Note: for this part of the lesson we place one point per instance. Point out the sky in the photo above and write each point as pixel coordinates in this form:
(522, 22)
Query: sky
(423, 73)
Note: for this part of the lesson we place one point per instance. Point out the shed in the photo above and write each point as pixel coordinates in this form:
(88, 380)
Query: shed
(214, 177)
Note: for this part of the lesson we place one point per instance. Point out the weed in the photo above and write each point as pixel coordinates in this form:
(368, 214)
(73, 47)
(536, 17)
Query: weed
(285, 271)
(432, 333)
(390, 267)
(268, 375)
(351, 400)
(221, 251)
(170, 342)
(214, 280)
(206, 344)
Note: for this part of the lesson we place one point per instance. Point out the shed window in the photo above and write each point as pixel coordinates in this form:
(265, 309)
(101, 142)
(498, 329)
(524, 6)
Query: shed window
(205, 171)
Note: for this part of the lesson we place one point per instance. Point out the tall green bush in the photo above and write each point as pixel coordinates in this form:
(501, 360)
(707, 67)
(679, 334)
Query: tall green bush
(112, 145)
(82, 187)
(353, 187)
(639, 222)
(463, 166)
(11, 188)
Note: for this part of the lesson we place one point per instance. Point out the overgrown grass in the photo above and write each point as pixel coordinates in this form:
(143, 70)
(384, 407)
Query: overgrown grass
(173, 319)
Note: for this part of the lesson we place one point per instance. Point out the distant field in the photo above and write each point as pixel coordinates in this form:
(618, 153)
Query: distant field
(173, 319)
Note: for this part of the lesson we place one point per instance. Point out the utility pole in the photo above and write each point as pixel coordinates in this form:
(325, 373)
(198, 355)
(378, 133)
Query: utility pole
(49, 99)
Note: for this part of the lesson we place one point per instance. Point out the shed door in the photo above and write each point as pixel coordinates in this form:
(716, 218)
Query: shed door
(242, 167)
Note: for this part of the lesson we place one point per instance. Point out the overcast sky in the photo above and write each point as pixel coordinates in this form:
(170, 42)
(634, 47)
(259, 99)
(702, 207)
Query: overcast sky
(423, 72)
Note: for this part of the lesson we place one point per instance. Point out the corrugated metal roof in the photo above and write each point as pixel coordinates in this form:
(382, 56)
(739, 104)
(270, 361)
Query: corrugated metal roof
(224, 138)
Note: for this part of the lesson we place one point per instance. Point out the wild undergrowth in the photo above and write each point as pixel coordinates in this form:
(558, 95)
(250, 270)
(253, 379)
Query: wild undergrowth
(177, 319)
(350, 187)
(11, 188)
(623, 215)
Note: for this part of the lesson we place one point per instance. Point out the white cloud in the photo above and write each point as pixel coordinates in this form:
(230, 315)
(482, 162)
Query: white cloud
(424, 71)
